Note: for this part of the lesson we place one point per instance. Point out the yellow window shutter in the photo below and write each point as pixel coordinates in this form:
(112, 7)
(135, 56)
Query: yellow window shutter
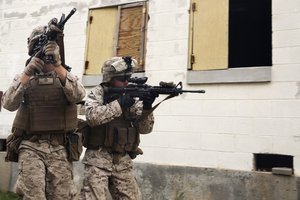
(131, 32)
(208, 38)
(101, 31)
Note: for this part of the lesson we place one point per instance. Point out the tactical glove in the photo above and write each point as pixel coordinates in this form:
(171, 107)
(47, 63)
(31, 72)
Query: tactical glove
(126, 101)
(34, 65)
(148, 101)
(52, 49)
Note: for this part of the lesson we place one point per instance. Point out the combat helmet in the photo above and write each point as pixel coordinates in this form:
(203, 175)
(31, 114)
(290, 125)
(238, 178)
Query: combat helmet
(33, 38)
(117, 66)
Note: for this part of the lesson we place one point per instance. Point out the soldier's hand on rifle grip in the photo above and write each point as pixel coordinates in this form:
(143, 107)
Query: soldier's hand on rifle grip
(34, 65)
(148, 101)
(52, 50)
(126, 101)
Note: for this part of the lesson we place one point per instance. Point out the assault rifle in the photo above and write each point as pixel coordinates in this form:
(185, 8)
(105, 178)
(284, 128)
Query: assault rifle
(52, 32)
(137, 87)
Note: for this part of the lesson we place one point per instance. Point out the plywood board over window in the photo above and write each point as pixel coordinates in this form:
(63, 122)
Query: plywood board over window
(100, 38)
(208, 47)
(116, 31)
(131, 35)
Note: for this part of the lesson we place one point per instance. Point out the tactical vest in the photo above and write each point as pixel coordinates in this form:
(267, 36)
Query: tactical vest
(118, 135)
(45, 108)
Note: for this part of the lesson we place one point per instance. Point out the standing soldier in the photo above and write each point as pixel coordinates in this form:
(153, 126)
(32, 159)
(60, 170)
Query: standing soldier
(116, 122)
(45, 96)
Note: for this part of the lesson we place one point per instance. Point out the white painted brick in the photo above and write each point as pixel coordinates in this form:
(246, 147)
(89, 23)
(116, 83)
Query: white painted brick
(288, 72)
(167, 48)
(292, 127)
(218, 142)
(238, 125)
(250, 108)
(210, 125)
(173, 139)
(259, 91)
(235, 92)
(219, 107)
(162, 33)
(236, 161)
(178, 157)
(168, 5)
(155, 77)
(169, 19)
(285, 6)
(287, 55)
(286, 145)
(225, 125)
(288, 21)
(177, 62)
(268, 126)
(286, 38)
(283, 90)
(253, 144)
(285, 108)
(177, 123)
(181, 107)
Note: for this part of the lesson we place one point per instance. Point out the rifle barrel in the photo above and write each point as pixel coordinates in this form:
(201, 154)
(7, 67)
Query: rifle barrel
(193, 91)
(68, 17)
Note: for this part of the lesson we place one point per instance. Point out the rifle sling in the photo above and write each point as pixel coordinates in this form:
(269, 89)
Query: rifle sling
(152, 109)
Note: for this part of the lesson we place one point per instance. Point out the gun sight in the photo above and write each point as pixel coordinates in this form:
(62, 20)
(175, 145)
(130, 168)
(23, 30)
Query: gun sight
(137, 80)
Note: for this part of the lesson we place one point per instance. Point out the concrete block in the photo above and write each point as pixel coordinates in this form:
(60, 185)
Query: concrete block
(282, 171)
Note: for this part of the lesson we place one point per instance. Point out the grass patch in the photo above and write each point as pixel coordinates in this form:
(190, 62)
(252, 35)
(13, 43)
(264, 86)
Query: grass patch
(8, 196)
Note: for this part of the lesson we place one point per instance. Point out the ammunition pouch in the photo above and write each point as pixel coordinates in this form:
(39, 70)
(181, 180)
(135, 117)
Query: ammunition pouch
(13, 142)
(122, 139)
(117, 139)
(74, 146)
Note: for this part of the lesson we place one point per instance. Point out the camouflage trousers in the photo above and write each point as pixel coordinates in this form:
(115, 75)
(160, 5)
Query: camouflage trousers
(44, 175)
(98, 183)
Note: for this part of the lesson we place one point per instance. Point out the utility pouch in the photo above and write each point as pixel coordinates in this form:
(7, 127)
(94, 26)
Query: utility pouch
(13, 142)
(120, 140)
(74, 146)
(133, 139)
(109, 136)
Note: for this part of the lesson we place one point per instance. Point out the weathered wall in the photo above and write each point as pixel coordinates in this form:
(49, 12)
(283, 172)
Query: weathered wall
(190, 183)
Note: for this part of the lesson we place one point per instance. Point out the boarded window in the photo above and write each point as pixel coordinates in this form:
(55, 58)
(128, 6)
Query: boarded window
(116, 31)
(230, 33)
(209, 34)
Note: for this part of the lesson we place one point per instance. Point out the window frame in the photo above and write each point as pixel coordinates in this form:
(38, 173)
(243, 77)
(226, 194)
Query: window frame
(229, 75)
(89, 80)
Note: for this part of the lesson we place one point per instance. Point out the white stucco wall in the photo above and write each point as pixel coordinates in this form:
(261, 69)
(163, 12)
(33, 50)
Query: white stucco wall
(219, 129)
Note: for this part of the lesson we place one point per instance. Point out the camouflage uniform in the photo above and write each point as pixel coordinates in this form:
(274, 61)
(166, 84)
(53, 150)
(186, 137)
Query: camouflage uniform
(106, 171)
(44, 170)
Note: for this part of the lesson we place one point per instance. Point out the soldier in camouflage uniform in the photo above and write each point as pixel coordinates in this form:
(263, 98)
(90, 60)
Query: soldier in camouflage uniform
(45, 97)
(112, 142)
